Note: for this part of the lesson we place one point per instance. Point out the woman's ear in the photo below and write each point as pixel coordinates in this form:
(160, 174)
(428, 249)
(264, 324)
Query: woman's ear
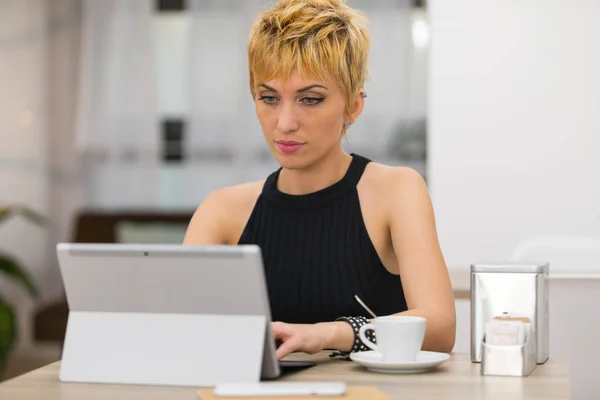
(359, 104)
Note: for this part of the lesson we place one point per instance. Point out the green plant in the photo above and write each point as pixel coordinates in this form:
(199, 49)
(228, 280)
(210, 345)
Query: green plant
(11, 268)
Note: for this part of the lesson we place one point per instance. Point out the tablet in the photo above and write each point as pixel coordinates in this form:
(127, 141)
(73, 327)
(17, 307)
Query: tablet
(119, 294)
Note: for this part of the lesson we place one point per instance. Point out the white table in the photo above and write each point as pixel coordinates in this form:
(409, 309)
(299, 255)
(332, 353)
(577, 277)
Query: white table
(458, 378)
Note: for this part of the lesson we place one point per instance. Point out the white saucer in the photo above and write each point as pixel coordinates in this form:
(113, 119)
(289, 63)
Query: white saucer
(425, 361)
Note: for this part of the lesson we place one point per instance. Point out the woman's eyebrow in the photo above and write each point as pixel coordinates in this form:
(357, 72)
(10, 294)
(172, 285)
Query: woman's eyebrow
(304, 89)
(268, 87)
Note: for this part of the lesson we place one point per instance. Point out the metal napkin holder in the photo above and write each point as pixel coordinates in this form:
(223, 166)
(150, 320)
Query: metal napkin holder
(509, 290)
(509, 360)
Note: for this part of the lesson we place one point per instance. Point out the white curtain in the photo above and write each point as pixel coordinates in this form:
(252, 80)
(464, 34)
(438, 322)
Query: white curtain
(117, 122)
(117, 115)
(38, 165)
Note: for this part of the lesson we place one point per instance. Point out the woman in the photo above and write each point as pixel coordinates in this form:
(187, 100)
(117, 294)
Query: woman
(330, 224)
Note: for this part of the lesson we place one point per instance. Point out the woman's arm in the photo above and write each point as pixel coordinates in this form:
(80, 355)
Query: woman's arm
(422, 268)
(208, 225)
(425, 278)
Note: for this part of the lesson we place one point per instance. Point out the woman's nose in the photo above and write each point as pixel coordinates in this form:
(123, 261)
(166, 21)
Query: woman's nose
(287, 121)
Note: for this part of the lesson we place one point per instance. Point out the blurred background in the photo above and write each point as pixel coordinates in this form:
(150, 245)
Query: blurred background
(118, 117)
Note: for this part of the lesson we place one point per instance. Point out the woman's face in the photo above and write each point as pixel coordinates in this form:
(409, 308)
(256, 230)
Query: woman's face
(302, 119)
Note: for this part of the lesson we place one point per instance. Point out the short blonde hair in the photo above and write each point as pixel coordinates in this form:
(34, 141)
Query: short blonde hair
(316, 38)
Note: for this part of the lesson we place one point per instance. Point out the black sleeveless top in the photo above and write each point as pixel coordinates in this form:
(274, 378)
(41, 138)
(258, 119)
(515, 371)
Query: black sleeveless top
(317, 254)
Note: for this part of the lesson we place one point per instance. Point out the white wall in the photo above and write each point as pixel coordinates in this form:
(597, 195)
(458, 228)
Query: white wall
(514, 123)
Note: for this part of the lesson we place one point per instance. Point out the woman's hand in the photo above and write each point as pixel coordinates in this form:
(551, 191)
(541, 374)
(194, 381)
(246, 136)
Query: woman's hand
(309, 339)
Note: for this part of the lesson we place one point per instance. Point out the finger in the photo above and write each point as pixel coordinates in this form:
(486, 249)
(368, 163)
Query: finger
(280, 330)
(285, 349)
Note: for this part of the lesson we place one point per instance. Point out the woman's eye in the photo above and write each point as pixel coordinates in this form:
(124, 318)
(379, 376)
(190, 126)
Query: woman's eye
(312, 100)
(268, 99)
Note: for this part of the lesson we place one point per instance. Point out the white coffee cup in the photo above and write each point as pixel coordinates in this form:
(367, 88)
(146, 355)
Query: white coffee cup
(399, 337)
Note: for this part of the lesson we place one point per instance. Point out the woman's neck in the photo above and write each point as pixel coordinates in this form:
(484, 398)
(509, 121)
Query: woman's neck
(323, 173)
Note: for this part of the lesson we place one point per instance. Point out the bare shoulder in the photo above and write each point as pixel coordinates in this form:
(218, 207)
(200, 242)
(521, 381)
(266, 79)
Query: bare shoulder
(400, 181)
(232, 198)
(396, 191)
(219, 217)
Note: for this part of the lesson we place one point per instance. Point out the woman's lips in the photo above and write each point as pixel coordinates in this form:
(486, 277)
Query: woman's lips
(289, 146)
